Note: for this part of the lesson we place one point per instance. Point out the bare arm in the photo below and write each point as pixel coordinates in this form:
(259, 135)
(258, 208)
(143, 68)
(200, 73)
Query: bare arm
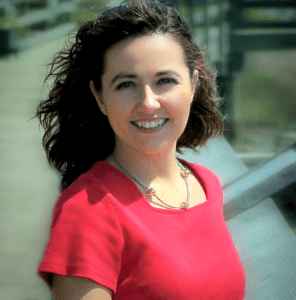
(76, 288)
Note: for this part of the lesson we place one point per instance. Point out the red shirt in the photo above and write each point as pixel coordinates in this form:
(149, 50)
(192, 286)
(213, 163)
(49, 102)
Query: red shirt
(104, 229)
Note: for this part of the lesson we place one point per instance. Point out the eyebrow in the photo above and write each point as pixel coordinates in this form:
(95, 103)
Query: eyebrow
(168, 72)
(125, 75)
(122, 75)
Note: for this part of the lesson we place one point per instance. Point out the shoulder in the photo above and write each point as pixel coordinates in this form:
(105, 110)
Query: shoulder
(86, 197)
(94, 182)
(91, 180)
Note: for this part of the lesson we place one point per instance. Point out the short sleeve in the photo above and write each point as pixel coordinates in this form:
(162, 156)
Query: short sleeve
(85, 238)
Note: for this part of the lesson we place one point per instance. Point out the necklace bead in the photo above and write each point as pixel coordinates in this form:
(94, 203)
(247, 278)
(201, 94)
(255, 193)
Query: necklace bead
(185, 205)
(150, 192)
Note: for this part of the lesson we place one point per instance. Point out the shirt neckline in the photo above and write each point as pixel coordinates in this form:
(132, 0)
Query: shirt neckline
(165, 210)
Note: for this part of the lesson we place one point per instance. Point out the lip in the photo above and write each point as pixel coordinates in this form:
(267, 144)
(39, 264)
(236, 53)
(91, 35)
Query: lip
(148, 119)
(149, 130)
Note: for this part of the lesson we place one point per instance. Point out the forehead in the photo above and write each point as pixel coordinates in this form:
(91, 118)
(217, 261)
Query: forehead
(145, 53)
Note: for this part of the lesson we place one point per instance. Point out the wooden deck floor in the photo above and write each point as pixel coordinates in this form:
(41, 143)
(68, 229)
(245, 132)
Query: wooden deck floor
(28, 187)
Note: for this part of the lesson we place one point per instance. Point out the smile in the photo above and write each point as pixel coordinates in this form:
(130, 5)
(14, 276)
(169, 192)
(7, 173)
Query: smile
(149, 125)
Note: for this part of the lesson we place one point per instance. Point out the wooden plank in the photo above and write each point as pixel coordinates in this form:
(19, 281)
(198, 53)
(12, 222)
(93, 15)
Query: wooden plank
(256, 185)
(267, 248)
(221, 158)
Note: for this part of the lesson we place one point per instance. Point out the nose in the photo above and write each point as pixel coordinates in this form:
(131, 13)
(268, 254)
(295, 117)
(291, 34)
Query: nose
(149, 101)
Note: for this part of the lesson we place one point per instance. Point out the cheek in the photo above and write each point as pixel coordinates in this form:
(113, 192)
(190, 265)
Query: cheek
(118, 109)
(183, 103)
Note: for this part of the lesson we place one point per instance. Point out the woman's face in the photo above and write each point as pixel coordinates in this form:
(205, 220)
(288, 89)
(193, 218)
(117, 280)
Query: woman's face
(146, 92)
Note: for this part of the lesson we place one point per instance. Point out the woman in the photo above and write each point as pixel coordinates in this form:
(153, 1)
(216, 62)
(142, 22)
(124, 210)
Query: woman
(134, 222)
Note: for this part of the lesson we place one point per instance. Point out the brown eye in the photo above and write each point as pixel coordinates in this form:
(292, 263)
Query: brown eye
(125, 85)
(167, 81)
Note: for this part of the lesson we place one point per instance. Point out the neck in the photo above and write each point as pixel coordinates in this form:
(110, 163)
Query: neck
(149, 167)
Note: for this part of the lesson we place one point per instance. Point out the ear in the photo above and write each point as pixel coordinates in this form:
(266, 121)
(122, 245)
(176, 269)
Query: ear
(195, 79)
(195, 82)
(98, 97)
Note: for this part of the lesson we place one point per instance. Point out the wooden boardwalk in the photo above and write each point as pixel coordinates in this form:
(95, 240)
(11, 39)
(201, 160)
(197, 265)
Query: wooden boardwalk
(28, 187)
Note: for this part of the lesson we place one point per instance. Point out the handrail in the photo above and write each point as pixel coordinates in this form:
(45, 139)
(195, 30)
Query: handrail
(258, 184)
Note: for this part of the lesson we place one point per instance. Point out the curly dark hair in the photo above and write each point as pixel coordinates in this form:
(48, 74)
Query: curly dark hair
(77, 133)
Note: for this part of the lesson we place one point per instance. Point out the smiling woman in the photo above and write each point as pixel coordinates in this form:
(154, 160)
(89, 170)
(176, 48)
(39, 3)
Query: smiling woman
(133, 221)
(147, 98)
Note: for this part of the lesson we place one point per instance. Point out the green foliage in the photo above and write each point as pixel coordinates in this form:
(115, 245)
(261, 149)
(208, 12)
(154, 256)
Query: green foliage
(82, 15)
(12, 23)
(88, 9)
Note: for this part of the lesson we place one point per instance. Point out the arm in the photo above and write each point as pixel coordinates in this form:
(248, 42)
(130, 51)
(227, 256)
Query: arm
(77, 288)
(85, 242)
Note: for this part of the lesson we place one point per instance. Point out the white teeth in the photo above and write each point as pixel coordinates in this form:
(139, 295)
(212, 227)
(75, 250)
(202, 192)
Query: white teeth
(149, 125)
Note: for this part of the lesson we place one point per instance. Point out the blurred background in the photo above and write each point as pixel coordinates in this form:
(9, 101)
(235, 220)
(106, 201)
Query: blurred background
(252, 44)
